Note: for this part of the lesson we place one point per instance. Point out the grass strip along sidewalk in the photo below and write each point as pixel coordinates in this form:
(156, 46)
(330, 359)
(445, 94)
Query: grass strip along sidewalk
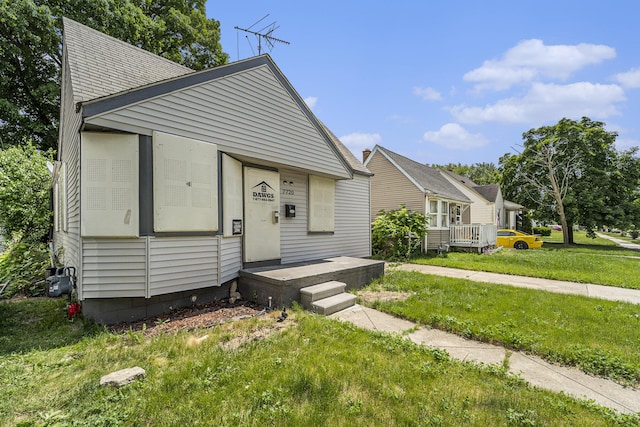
(308, 370)
(600, 337)
(596, 261)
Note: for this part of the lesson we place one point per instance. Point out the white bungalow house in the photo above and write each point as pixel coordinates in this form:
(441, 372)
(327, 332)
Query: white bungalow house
(489, 205)
(398, 180)
(169, 181)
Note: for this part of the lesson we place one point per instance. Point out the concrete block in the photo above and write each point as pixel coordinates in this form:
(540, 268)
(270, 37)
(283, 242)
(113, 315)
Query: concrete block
(320, 291)
(334, 304)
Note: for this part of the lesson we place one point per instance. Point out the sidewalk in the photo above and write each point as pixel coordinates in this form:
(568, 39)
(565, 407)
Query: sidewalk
(558, 286)
(620, 242)
(532, 369)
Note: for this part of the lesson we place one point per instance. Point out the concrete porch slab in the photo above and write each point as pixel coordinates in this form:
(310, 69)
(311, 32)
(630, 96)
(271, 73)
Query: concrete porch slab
(283, 282)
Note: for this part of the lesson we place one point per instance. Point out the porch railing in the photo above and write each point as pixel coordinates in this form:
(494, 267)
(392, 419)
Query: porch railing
(473, 235)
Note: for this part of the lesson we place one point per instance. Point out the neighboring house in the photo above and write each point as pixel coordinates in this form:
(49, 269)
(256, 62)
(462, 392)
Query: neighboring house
(169, 181)
(489, 205)
(484, 209)
(398, 180)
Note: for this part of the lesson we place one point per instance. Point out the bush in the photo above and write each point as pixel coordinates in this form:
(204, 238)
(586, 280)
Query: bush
(543, 231)
(24, 193)
(634, 234)
(23, 264)
(398, 234)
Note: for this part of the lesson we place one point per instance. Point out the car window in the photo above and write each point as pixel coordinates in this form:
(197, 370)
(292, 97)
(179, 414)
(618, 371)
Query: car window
(506, 233)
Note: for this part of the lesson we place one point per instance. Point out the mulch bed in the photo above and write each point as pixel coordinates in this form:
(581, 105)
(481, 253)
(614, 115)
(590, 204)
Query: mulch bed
(196, 316)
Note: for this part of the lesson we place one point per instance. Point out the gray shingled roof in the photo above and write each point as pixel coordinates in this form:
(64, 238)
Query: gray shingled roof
(489, 192)
(353, 161)
(101, 65)
(429, 178)
(463, 179)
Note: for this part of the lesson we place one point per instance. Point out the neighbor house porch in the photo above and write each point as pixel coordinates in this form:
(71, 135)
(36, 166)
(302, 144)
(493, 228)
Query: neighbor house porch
(472, 235)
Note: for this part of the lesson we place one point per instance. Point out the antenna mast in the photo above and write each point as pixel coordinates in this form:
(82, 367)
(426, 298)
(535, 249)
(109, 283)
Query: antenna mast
(265, 34)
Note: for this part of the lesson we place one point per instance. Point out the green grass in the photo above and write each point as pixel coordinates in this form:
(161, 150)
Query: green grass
(315, 372)
(597, 261)
(600, 337)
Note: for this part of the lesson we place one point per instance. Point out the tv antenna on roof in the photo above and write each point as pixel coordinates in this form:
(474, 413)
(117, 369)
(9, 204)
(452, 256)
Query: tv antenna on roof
(263, 35)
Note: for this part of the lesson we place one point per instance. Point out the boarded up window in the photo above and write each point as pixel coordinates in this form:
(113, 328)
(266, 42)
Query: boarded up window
(232, 196)
(322, 193)
(109, 186)
(185, 184)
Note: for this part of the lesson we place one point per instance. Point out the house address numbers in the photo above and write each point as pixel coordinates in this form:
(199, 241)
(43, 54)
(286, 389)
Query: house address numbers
(287, 191)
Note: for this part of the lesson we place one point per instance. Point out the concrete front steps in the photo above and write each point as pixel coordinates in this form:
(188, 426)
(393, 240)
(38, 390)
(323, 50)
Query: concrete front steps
(326, 298)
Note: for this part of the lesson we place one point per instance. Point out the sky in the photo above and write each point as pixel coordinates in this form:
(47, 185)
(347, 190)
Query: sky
(449, 81)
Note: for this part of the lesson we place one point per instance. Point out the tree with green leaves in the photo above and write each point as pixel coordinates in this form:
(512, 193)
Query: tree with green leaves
(24, 193)
(30, 51)
(571, 173)
(480, 173)
(25, 218)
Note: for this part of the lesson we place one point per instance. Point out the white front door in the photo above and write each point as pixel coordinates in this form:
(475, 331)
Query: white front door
(262, 216)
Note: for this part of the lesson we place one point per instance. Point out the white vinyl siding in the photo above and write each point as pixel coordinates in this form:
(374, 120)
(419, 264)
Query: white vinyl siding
(182, 263)
(185, 184)
(352, 235)
(67, 243)
(322, 193)
(230, 258)
(110, 206)
(113, 268)
(248, 114)
(481, 210)
(232, 203)
(60, 200)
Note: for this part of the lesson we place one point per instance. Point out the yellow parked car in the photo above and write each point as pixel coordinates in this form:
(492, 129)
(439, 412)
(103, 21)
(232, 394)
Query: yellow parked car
(517, 240)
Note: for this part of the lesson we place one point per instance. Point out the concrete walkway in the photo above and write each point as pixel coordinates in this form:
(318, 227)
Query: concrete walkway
(558, 286)
(532, 369)
(620, 242)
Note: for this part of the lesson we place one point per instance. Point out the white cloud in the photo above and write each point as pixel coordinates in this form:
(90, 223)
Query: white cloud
(626, 143)
(548, 102)
(311, 101)
(629, 79)
(427, 93)
(531, 59)
(455, 137)
(357, 141)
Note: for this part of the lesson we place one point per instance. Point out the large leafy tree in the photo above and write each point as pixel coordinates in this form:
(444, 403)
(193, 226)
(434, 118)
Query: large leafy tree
(24, 193)
(30, 51)
(571, 173)
(480, 173)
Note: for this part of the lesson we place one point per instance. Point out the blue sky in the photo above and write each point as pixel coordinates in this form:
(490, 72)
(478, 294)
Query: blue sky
(450, 81)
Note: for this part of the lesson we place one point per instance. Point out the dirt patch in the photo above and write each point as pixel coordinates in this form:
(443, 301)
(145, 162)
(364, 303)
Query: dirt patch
(197, 316)
(258, 334)
(373, 296)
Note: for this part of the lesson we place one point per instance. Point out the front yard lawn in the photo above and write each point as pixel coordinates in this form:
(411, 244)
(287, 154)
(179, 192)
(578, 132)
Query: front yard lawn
(308, 370)
(600, 337)
(597, 261)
